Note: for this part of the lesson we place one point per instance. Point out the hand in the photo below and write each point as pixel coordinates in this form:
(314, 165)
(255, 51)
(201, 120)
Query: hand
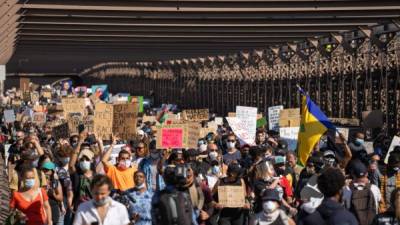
(113, 139)
(83, 135)
(342, 138)
(136, 217)
(292, 211)
(204, 215)
(246, 206)
(166, 153)
(218, 206)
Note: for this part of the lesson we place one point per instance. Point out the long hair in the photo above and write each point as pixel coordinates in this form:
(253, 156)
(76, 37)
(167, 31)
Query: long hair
(264, 169)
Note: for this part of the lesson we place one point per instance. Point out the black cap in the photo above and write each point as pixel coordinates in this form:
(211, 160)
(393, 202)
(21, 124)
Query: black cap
(270, 195)
(359, 170)
(234, 168)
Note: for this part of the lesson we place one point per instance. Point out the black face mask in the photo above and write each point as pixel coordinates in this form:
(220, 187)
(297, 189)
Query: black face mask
(279, 171)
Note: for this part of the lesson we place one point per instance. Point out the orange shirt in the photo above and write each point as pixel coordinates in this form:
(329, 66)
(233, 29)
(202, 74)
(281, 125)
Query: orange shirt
(122, 179)
(33, 210)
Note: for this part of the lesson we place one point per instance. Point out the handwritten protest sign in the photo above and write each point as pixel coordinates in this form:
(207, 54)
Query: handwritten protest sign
(395, 142)
(39, 118)
(124, 120)
(289, 134)
(88, 123)
(103, 120)
(369, 147)
(172, 138)
(73, 105)
(231, 196)
(273, 117)
(61, 131)
(74, 120)
(289, 117)
(188, 132)
(9, 116)
(241, 131)
(193, 132)
(195, 114)
(248, 115)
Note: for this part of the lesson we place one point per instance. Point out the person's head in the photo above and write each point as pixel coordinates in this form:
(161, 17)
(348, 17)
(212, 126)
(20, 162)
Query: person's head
(48, 168)
(231, 142)
(213, 151)
(394, 162)
(140, 179)
(234, 171)
(27, 174)
(359, 138)
(264, 170)
(190, 155)
(176, 157)
(256, 153)
(29, 157)
(141, 149)
(20, 135)
(260, 137)
(271, 201)
(395, 202)
(244, 150)
(280, 165)
(329, 157)
(85, 159)
(291, 159)
(63, 154)
(101, 187)
(124, 159)
(331, 182)
(74, 140)
(140, 134)
(359, 172)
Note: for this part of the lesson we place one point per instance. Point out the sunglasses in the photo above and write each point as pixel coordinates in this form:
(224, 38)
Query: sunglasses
(231, 140)
(139, 147)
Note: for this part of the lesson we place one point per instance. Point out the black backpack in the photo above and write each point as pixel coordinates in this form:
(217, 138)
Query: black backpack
(174, 208)
(363, 204)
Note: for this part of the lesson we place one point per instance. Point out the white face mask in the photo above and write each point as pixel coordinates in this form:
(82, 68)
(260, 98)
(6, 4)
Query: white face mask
(213, 155)
(203, 147)
(141, 186)
(231, 145)
(269, 206)
(312, 205)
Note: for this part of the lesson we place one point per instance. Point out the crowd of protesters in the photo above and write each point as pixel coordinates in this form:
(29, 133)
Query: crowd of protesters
(72, 180)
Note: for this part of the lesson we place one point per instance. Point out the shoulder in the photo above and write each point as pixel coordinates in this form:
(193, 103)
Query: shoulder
(343, 215)
(84, 207)
(117, 206)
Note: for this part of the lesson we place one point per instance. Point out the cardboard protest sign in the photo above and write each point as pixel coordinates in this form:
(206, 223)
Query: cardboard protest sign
(149, 119)
(241, 130)
(172, 137)
(9, 116)
(231, 196)
(289, 134)
(344, 131)
(103, 120)
(24, 84)
(195, 114)
(35, 96)
(248, 115)
(26, 96)
(114, 153)
(273, 117)
(88, 123)
(73, 105)
(61, 131)
(125, 120)
(289, 117)
(188, 138)
(39, 118)
(395, 142)
(74, 120)
(193, 132)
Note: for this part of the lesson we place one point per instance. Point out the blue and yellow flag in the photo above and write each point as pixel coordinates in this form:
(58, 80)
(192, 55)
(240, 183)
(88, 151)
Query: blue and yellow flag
(313, 125)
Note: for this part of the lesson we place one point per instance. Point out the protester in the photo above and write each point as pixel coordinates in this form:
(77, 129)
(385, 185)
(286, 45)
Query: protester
(391, 216)
(101, 209)
(31, 200)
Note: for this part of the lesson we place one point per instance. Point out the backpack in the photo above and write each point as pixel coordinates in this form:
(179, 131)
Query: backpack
(363, 204)
(174, 208)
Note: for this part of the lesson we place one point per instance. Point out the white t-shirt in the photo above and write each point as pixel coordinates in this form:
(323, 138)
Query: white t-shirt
(86, 214)
(374, 189)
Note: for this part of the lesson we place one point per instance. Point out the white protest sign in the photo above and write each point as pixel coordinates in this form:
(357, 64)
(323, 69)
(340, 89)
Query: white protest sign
(395, 142)
(369, 146)
(2, 72)
(248, 115)
(273, 117)
(344, 131)
(289, 134)
(9, 116)
(218, 120)
(240, 130)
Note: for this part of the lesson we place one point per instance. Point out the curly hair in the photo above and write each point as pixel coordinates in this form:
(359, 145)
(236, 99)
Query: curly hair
(331, 181)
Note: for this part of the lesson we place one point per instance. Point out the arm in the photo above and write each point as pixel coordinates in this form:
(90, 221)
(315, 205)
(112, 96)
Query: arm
(70, 197)
(347, 153)
(38, 146)
(75, 152)
(58, 194)
(107, 154)
(47, 208)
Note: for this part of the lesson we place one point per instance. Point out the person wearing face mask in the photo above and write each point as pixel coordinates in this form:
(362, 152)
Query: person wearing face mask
(28, 158)
(390, 180)
(102, 209)
(313, 167)
(82, 174)
(392, 215)
(232, 154)
(214, 174)
(31, 201)
(139, 199)
(331, 211)
(358, 143)
(271, 213)
(149, 166)
(246, 160)
(122, 173)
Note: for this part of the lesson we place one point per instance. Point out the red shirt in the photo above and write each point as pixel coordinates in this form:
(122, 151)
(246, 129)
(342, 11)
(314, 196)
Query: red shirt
(287, 188)
(33, 210)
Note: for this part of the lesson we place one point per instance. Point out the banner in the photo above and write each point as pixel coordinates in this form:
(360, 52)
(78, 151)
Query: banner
(273, 117)
(241, 130)
(73, 105)
(9, 116)
(290, 135)
(248, 115)
(231, 196)
(195, 114)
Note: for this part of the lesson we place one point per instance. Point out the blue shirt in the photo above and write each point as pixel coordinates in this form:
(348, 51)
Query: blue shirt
(142, 206)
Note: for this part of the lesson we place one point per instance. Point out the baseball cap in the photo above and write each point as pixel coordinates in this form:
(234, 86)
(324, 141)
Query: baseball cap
(86, 152)
(270, 195)
(279, 160)
(49, 165)
(359, 170)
